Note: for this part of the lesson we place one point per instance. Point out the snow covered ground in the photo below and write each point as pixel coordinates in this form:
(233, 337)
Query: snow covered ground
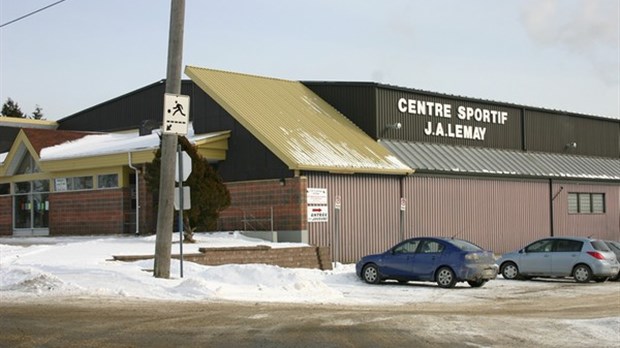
(81, 267)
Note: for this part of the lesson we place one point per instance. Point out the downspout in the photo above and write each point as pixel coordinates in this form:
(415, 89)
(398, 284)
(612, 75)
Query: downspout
(551, 206)
(552, 198)
(137, 171)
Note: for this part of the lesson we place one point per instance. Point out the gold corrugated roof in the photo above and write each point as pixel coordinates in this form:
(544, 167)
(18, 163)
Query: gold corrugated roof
(299, 127)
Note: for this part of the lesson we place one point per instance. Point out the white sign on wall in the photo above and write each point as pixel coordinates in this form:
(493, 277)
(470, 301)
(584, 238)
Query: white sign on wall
(337, 202)
(61, 184)
(318, 213)
(316, 196)
(447, 118)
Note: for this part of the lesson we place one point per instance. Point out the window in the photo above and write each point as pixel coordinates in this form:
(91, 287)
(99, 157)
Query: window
(542, 246)
(74, 183)
(598, 203)
(31, 204)
(27, 165)
(22, 187)
(586, 203)
(566, 245)
(407, 247)
(5, 189)
(107, 181)
(430, 247)
(81, 183)
(573, 203)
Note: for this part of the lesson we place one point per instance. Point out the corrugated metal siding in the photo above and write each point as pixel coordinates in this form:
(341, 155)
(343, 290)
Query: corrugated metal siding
(499, 215)
(355, 101)
(504, 136)
(127, 111)
(246, 158)
(551, 133)
(440, 158)
(295, 124)
(602, 226)
(369, 217)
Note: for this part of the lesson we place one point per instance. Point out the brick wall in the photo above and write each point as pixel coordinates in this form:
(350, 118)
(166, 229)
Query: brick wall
(6, 215)
(301, 257)
(88, 212)
(256, 198)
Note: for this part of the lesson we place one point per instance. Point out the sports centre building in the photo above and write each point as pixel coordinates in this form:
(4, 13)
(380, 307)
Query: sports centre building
(350, 165)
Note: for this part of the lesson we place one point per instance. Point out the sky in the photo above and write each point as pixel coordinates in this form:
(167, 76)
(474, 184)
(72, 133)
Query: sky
(55, 268)
(555, 54)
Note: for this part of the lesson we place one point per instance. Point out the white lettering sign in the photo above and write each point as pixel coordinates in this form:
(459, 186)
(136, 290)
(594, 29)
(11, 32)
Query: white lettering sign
(458, 131)
(451, 130)
(318, 213)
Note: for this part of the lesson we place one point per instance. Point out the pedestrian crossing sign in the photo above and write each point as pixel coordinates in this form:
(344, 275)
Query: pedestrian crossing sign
(176, 114)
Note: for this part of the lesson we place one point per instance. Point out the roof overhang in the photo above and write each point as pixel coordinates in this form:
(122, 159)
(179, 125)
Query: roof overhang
(95, 151)
(462, 160)
(18, 122)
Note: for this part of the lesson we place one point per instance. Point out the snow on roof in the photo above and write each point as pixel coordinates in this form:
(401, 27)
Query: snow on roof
(111, 143)
(3, 156)
(100, 144)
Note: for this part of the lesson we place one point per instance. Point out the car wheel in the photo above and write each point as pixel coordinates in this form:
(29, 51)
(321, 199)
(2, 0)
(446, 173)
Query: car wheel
(582, 273)
(370, 273)
(510, 271)
(616, 277)
(445, 277)
(476, 283)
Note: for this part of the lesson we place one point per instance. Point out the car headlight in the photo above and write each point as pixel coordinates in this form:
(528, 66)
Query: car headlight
(472, 257)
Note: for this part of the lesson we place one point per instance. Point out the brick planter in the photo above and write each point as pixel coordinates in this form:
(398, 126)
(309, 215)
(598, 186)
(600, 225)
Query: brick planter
(301, 257)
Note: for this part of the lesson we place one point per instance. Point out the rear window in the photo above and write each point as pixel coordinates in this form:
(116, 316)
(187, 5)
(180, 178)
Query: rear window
(599, 245)
(465, 245)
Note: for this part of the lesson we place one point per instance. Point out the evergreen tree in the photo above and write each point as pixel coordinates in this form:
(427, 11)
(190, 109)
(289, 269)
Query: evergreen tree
(11, 109)
(209, 195)
(38, 113)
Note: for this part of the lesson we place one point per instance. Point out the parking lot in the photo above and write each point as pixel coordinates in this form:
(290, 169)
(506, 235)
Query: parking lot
(543, 313)
(69, 293)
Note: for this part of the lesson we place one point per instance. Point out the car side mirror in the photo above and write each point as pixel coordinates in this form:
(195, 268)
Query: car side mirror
(522, 251)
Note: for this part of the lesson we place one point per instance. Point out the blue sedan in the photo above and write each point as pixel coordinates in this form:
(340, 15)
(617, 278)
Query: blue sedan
(442, 260)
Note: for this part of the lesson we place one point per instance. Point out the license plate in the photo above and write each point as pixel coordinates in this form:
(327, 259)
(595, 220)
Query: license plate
(489, 273)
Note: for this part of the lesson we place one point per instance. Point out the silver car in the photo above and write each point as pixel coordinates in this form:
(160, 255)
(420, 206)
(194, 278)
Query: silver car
(615, 247)
(583, 258)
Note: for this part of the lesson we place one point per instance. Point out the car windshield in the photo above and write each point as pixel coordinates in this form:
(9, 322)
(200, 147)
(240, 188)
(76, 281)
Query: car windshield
(464, 245)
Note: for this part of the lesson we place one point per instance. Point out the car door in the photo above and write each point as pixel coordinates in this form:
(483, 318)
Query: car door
(427, 257)
(564, 256)
(398, 262)
(536, 258)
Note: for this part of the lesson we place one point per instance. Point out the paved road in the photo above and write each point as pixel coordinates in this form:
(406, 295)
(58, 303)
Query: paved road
(91, 322)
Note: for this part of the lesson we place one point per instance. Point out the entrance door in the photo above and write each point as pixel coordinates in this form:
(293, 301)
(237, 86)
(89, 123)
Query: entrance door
(31, 208)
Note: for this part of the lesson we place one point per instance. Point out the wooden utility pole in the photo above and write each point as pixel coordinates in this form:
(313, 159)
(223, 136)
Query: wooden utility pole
(165, 213)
